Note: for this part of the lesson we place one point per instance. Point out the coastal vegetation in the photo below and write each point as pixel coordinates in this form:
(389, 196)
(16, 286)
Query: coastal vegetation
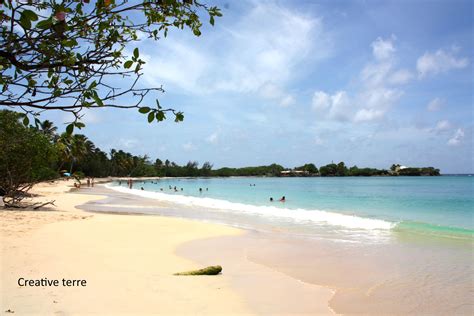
(70, 55)
(36, 153)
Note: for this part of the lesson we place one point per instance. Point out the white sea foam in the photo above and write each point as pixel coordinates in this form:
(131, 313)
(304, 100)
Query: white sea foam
(297, 215)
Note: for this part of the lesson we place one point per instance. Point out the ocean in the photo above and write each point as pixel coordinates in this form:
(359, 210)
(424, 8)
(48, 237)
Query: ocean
(385, 245)
(441, 206)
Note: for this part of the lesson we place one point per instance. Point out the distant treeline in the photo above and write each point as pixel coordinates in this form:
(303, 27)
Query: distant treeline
(32, 153)
(124, 164)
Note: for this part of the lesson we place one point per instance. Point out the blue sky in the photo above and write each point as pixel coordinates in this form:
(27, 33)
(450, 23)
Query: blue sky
(370, 83)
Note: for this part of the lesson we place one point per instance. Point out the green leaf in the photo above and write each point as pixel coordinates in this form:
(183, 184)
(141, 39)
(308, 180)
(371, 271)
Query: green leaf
(160, 116)
(144, 110)
(128, 64)
(26, 121)
(151, 117)
(25, 22)
(45, 24)
(93, 85)
(69, 43)
(211, 20)
(80, 125)
(30, 14)
(179, 117)
(70, 128)
(97, 99)
(135, 52)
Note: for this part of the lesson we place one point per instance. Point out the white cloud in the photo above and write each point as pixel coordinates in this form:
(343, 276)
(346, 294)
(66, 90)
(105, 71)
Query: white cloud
(318, 141)
(336, 106)
(375, 74)
(264, 45)
(383, 49)
(213, 138)
(376, 94)
(401, 76)
(321, 100)
(457, 137)
(380, 98)
(287, 100)
(128, 143)
(189, 146)
(271, 91)
(364, 115)
(435, 105)
(340, 106)
(439, 62)
(442, 125)
(182, 67)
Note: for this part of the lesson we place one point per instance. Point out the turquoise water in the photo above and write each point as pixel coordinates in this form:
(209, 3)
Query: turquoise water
(444, 204)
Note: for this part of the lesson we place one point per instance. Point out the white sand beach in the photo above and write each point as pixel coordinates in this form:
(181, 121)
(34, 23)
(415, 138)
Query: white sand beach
(128, 263)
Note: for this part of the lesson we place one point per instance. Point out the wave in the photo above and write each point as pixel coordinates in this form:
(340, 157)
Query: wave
(427, 229)
(320, 217)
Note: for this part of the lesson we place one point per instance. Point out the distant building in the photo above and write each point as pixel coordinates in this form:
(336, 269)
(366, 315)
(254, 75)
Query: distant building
(398, 168)
(294, 173)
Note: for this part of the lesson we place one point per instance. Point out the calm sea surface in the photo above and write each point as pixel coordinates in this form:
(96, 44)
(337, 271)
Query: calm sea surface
(432, 205)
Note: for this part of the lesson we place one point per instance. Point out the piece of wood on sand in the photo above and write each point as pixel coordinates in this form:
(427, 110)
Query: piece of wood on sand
(211, 270)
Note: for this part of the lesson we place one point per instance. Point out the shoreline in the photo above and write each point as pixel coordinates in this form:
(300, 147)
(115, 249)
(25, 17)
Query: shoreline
(379, 269)
(128, 263)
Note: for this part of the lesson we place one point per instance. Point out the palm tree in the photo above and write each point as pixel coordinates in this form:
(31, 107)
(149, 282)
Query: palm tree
(48, 128)
(74, 148)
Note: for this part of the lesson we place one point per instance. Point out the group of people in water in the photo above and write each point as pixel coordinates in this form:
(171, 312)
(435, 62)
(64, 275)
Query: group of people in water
(175, 189)
(282, 199)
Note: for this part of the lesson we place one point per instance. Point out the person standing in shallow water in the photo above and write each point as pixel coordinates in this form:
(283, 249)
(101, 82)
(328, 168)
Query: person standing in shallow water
(271, 199)
(282, 199)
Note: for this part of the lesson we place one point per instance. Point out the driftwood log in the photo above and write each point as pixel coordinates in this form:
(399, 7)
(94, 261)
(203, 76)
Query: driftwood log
(212, 270)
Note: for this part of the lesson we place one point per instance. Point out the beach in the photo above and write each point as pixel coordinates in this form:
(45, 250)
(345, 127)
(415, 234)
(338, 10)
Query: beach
(128, 261)
(360, 254)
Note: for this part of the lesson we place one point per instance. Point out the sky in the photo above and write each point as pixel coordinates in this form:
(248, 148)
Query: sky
(370, 83)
